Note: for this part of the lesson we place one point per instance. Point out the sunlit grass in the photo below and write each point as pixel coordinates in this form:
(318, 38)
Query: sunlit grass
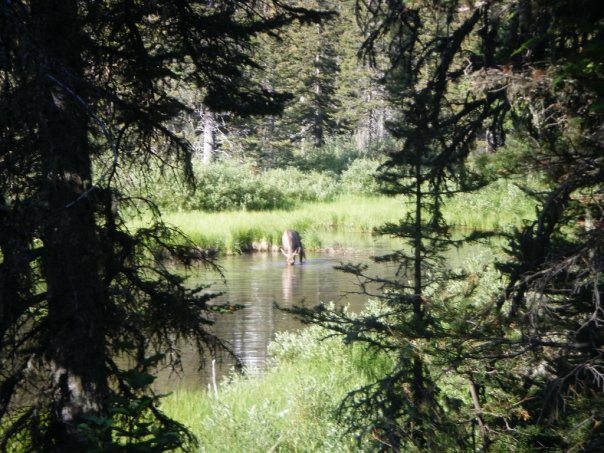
(234, 232)
(497, 207)
(290, 407)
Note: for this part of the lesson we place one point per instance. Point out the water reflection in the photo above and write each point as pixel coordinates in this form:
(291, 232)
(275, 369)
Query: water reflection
(289, 283)
(258, 282)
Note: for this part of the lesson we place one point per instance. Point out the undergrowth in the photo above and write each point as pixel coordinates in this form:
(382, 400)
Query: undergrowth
(293, 406)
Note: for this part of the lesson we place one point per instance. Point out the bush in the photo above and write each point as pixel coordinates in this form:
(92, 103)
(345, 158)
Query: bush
(359, 177)
(335, 156)
(298, 186)
(232, 186)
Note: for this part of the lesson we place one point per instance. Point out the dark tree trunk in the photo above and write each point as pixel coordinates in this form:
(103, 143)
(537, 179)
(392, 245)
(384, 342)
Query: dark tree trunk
(71, 253)
(74, 75)
(420, 392)
(15, 275)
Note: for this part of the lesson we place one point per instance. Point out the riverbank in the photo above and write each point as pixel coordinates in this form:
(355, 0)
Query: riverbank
(499, 206)
(246, 231)
(291, 407)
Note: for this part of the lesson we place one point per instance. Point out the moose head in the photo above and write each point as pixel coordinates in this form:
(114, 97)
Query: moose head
(292, 247)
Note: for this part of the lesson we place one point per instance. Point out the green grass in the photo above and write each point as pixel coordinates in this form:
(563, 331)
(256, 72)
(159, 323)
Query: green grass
(291, 407)
(497, 207)
(236, 231)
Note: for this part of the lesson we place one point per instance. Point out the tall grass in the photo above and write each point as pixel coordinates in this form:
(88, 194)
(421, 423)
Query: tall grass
(238, 231)
(497, 207)
(291, 407)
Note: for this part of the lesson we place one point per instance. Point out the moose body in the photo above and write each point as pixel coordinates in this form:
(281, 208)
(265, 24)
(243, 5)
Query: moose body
(292, 247)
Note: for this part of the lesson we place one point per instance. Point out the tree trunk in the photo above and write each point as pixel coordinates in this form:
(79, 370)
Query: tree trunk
(15, 274)
(209, 136)
(317, 131)
(71, 253)
(419, 385)
(484, 434)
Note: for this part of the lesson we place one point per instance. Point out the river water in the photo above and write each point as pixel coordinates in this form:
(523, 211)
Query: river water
(258, 281)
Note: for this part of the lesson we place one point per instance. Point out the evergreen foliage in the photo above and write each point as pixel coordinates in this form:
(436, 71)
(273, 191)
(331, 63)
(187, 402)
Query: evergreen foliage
(333, 95)
(530, 356)
(85, 312)
(101, 97)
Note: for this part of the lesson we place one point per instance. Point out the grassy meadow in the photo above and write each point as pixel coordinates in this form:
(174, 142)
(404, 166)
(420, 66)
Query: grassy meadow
(497, 207)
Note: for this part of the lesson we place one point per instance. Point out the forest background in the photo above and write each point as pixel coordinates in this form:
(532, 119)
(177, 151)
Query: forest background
(448, 98)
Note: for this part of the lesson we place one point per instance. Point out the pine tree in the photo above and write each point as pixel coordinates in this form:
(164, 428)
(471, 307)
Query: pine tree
(333, 92)
(532, 356)
(436, 123)
(363, 108)
(303, 63)
(545, 331)
(88, 83)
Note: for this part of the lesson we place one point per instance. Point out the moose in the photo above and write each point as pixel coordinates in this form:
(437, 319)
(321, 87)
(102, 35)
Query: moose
(292, 247)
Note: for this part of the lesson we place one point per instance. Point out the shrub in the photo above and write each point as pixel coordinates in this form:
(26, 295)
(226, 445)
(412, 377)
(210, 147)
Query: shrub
(233, 185)
(228, 186)
(298, 186)
(335, 156)
(359, 177)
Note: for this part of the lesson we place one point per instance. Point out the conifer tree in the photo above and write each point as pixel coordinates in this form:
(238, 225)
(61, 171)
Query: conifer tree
(86, 311)
(302, 62)
(436, 125)
(333, 92)
(532, 356)
(541, 340)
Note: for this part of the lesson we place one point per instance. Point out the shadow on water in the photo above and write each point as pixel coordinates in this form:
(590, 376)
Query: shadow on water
(261, 280)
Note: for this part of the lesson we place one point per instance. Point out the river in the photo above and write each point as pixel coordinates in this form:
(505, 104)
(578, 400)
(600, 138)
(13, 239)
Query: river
(257, 282)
